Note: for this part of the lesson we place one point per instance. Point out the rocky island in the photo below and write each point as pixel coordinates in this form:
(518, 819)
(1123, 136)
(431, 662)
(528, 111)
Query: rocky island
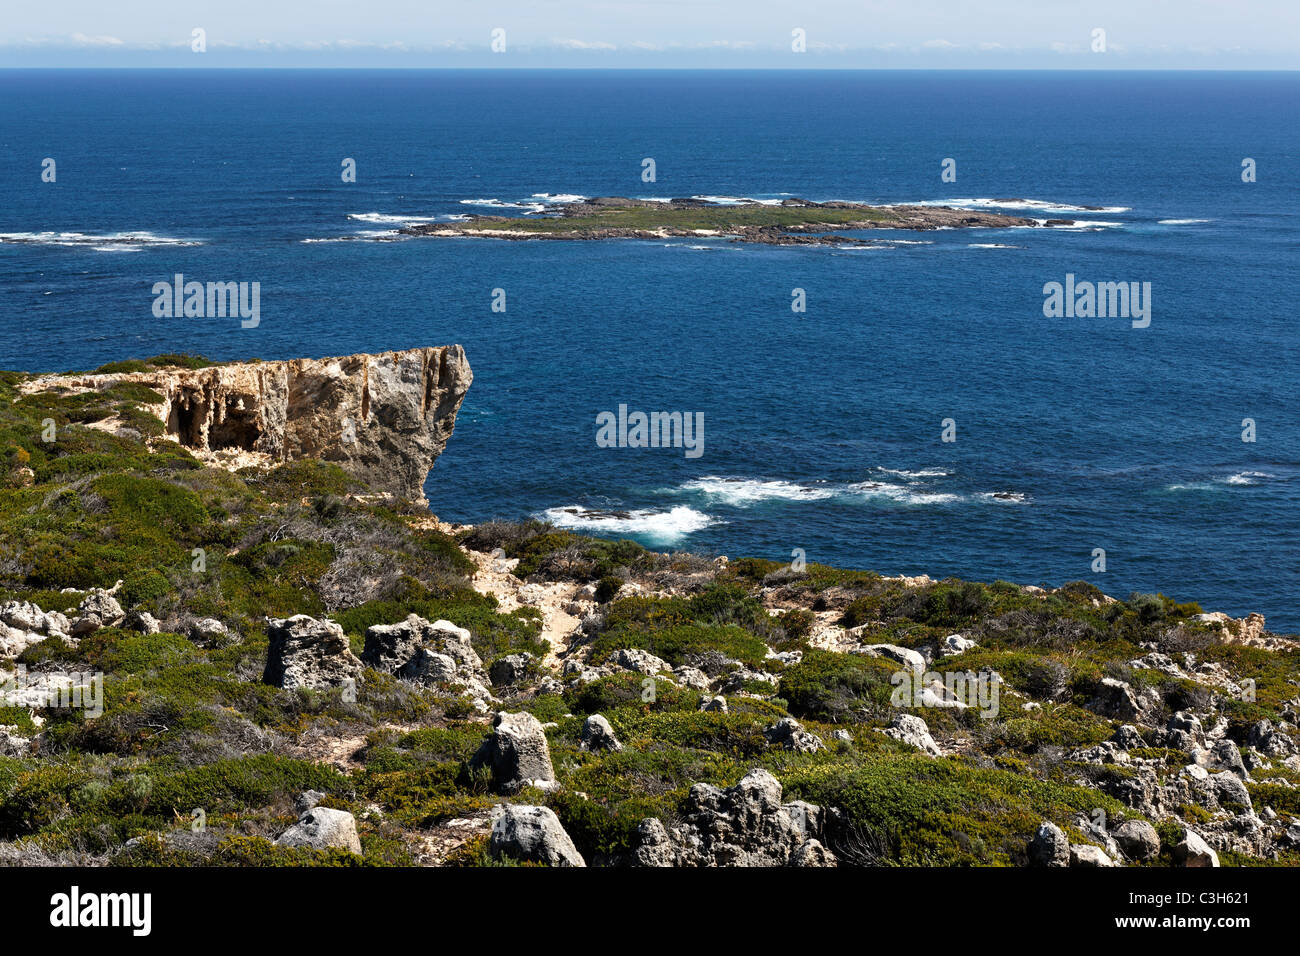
(791, 222)
(217, 605)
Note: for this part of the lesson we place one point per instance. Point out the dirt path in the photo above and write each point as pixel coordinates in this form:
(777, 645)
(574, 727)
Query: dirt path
(495, 576)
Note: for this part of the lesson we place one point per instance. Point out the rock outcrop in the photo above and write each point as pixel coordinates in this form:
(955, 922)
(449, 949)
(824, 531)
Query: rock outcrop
(305, 652)
(430, 653)
(517, 754)
(744, 825)
(534, 835)
(23, 624)
(597, 734)
(384, 418)
(1049, 847)
(321, 828)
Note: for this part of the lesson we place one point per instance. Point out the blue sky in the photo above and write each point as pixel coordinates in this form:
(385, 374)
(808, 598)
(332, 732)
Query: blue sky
(647, 34)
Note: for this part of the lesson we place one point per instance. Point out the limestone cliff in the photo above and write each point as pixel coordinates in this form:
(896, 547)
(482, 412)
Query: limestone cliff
(384, 418)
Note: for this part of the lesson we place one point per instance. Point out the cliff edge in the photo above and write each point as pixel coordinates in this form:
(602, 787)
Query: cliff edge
(384, 418)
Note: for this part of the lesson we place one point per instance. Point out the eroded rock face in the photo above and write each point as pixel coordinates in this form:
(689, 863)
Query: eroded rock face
(23, 624)
(1049, 847)
(428, 653)
(744, 825)
(305, 652)
(533, 834)
(384, 418)
(517, 754)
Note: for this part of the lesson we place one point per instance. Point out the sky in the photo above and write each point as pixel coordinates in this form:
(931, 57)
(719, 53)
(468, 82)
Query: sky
(656, 34)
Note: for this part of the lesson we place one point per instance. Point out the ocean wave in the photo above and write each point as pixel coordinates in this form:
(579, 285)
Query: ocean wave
(737, 200)
(920, 473)
(558, 198)
(1245, 478)
(1041, 205)
(1005, 497)
(896, 486)
(1237, 479)
(1182, 222)
(743, 491)
(663, 526)
(1082, 225)
(902, 494)
(992, 245)
(385, 218)
(103, 242)
(504, 204)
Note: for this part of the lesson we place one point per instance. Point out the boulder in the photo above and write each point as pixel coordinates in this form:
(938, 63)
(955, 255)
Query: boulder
(532, 834)
(512, 669)
(1119, 701)
(635, 659)
(812, 853)
(1087, 855)
(209, 632)
(429, 653)
(305, 652)
(956, 644)
(321, 828)
(1128, 738)
(142, 622)
(717, 704)
(517, 754)
(789, 734)
(1049, 847)
(1138, 839)
(1270, 740)
(913, 660)
(1229, 790)
(597, 734)
(97, 609)
(1192, 850)
(691, 677)
(914, 732)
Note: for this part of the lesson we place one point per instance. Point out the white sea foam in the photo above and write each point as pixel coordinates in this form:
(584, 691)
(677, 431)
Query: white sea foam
(102, 241)
(1182, 222)
(991, 245)
(664, 526)
(558, 198)
(744, 491)
(1237, 479)
(382, 218)
(737, 200)
(1082, 225)
(920, 473)
(1005, 497)
(1245, 478)
(901, 494)
(503, 204)
(1041, 205)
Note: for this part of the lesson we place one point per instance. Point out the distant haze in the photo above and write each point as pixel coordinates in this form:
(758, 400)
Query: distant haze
(652, 34)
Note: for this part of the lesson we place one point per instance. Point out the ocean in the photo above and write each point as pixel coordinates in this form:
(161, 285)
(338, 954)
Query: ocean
(822, 430)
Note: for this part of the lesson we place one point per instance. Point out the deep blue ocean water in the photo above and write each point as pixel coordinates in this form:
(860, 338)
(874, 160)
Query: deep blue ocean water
(823, 429)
